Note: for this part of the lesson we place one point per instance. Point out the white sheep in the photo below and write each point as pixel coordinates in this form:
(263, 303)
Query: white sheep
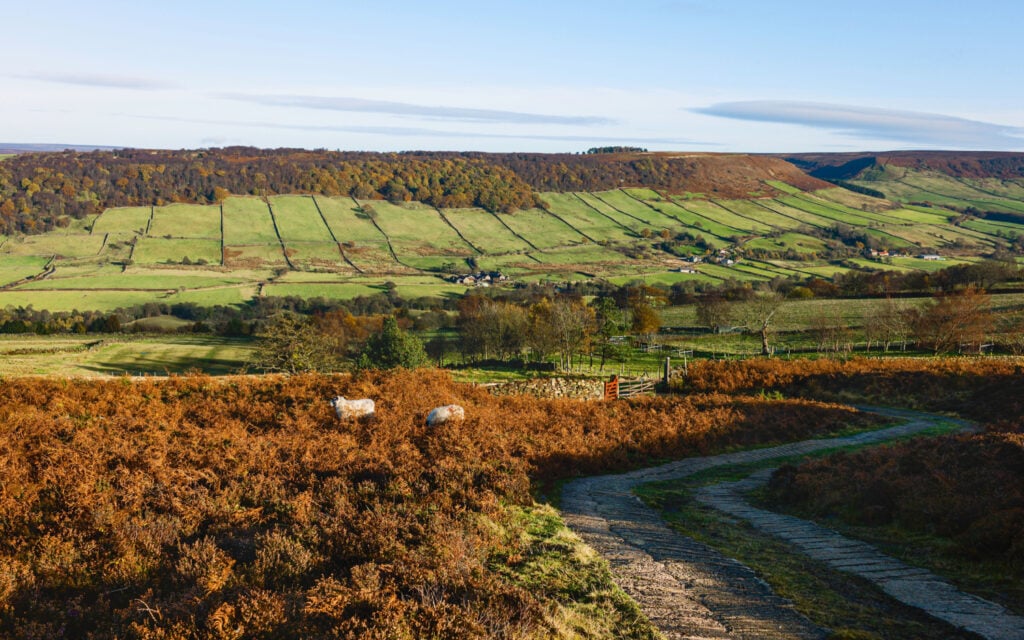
(351, 409)
(447, 413)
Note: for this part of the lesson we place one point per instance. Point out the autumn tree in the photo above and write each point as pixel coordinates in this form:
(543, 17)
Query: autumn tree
(952, 321)
(290, 344)
(608, 325)
(714, 311)
(560, 327)
(391, 348)
(490, 328)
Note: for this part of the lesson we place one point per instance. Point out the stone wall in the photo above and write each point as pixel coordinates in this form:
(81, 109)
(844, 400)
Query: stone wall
(551, 388)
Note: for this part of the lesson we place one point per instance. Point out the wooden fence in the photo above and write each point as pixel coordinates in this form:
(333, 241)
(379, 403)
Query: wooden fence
(618, 388)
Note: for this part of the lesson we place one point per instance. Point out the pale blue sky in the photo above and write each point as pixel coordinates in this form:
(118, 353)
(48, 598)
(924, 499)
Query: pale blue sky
(701, 75)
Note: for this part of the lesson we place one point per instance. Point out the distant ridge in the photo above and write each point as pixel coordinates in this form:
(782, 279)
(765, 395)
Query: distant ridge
(17, 147)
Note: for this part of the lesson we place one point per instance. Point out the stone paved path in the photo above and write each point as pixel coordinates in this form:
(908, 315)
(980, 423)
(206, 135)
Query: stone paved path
(687, 589)
(910, 585)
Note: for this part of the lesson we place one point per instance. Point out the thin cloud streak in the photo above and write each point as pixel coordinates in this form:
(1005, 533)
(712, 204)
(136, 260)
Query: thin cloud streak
(432, 133)
(361, 105)
(870, 123)
(97, 80)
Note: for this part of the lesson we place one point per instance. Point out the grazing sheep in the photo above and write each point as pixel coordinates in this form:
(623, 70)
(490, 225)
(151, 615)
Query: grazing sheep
(351, 409)
(447, 413)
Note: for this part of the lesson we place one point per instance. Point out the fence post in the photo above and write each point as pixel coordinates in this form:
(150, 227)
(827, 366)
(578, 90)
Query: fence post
(668, 370)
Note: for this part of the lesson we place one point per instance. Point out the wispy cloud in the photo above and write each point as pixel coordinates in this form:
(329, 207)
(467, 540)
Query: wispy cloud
(430, 133)
(97, 80)
(919, 128)
(362, 105)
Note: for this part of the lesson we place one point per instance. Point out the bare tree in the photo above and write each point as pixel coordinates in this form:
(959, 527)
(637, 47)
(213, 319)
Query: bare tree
(760, 314)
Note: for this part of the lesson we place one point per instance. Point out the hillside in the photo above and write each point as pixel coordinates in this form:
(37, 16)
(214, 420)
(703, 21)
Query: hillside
(42, 191)
(708, 220)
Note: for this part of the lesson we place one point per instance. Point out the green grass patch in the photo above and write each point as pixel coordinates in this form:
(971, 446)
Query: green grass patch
(783, 187)
(542, 229)
(247, 221)
(603, 207)
(485, 231)
(298, 220)
(54, 245)
(14, 268)
(176, 250)
(586, 219)
(186, 221)
(419, 235)
(130, 220)
(551, 561)
(646, 213)
(798, 242)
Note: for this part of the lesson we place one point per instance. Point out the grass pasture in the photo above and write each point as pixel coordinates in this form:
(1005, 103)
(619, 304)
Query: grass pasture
(186, 221)
(418, 234)
(298, 219)
(54, 245)
(649, 213)
(587, 220)
(247, 221)
(542, 229)
(485, 231)
(14, 268)
(176, 250)
(253, 255)
(129, 220)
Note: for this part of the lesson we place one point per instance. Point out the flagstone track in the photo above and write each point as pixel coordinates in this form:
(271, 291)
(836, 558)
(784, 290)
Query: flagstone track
(689, 590)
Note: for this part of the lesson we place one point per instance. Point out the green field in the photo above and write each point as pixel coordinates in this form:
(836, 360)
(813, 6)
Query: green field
(247, 221)
(485, 231)
(298, 220)
(176, 250)
(349, 248)
(186, 221)
(585, 219)
(126, 220)
(14, 268)
(418, 234)
(543, 230)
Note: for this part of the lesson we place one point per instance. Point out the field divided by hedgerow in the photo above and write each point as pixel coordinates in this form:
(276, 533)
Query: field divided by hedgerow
(247, 221)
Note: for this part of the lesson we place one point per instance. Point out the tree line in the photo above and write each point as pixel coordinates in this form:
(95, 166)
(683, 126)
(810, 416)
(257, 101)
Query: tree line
(42, 191)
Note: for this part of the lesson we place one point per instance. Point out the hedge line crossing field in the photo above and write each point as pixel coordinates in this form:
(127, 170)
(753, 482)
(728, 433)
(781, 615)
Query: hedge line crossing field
(418, 234)
(186, 221)
(542, 229)
(13, 268)
(485, 231)
(247, 221)
(298, 219)
(650, 216)
(364, 245)
(585, 219)
(600, 206)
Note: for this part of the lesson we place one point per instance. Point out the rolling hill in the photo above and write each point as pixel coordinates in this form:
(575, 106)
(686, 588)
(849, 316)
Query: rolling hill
(703, 219)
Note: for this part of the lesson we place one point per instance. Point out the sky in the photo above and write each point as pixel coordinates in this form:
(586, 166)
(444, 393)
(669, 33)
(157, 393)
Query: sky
(552, 76)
